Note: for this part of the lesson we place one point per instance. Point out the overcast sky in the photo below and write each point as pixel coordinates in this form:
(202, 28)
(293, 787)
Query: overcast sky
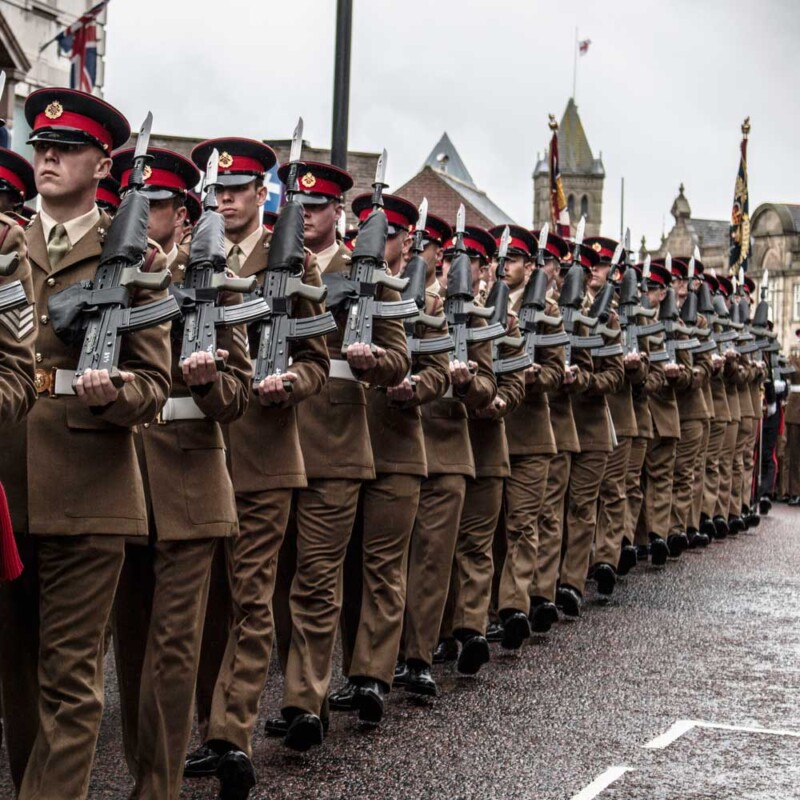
(662, 91)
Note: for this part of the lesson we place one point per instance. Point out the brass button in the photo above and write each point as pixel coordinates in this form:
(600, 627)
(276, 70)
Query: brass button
(44, 319)
(51, 281)
(39, 358)
(146, 425)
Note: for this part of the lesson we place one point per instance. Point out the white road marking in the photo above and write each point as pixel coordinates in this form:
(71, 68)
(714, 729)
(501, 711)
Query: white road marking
(600, 783)
(683, 726)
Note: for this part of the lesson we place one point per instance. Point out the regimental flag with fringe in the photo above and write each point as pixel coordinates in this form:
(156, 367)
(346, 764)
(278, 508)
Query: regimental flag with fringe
(740, 214)
(558, 202)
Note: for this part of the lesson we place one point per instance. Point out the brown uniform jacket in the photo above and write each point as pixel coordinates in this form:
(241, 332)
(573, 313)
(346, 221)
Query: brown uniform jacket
(188, 484)
(691, 396)
(82, 473)
(621, 403)
(663, 405)
(395, 430)
(264, 445)
(334, 436)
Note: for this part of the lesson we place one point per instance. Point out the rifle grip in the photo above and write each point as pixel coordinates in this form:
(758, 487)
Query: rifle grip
(9, 263)
(227, 284)
(385, 279)
(133, 276)
(116, 378)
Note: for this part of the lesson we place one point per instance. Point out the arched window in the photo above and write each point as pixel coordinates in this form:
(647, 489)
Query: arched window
(585, 206)
(571, 205)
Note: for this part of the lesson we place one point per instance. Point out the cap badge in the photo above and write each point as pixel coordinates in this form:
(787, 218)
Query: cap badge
(308, 180)
(147, 172)
(597, 247)
(54, 110)
(225, 160)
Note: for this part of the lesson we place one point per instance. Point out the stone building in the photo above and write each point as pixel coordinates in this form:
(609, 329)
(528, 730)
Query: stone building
(445, 180)
(582, 176)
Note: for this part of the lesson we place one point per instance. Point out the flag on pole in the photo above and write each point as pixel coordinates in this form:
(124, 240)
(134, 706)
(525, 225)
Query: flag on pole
(740, 214)
(558, 202)
(79, 42)
(583, 46)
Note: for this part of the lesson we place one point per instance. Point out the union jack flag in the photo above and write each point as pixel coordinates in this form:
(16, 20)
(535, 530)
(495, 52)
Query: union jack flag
(79, 42)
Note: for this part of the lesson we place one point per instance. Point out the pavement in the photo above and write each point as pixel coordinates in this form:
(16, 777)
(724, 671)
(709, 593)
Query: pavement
(684, 686)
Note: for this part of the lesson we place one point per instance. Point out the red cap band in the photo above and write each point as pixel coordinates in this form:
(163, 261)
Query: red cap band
(519, 244)
(474, 244)
(242, 164)
(312, 183)
(105, 196)
(13, 179)
(158, 177)
(69, 119)
(433, 234)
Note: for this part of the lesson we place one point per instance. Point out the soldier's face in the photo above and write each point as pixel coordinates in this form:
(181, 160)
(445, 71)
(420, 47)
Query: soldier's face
(66, 171)
(517, 269)
(656, 294)
(432, 253)
(164, 221)
(681, 289)
(599, 276)
(240, 205)
(319, 224)
(480, 272)
(396, 246)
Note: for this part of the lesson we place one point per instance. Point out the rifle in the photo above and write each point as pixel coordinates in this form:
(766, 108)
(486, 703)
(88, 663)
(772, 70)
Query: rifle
(601, 311)
(205, 277)
(689, 310)
(459, 304)
(105, 301)
(283, 281)
(629, 308)
(368, 272)
(570, 302)
(498, 302)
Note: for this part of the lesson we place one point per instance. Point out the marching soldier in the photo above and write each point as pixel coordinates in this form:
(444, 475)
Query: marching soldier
(19, 639)
(266, 465)
(107, 197)
(377, 560)
(790, 476)
(87, 494)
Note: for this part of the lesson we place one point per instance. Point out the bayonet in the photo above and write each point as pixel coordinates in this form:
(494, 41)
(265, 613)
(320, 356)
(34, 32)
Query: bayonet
(380, 180)
(210, 181)
(576, 256)
(140, 157)
(461, 219)
(295, 152)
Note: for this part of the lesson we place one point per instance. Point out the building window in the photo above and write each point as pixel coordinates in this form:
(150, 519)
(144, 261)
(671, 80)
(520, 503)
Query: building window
(585, 206)
(571, 205)
(796, 302)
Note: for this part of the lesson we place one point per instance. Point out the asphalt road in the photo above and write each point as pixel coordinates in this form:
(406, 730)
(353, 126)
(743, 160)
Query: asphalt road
(715, 637)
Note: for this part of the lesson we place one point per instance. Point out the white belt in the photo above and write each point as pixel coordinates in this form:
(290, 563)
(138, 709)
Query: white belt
(795, 387)
(341, 369)
(179, 408)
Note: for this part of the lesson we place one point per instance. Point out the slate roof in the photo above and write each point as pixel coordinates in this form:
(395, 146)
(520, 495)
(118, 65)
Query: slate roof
(574, 153)
(710, 232)
(445, 158)
(477, 199)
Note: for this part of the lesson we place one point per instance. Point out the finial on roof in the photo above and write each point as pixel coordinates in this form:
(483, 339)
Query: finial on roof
(746, 127)
(681, 208)
(553, 123)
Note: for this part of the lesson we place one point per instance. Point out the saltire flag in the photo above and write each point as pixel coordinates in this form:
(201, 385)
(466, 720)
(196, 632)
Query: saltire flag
(583, 46)
(558, 202)
(740, 214)
(79, 43)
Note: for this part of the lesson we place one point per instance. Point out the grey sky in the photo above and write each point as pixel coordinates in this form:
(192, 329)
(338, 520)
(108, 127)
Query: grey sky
(662, 92)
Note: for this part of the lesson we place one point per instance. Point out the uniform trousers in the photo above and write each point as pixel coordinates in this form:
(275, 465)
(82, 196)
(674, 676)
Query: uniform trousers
(659, 466)
(160, 704)
(430, 563)
(792, 459)
(474, 564)
(634, 488)
(699, 477)
(737, 475)
(251, 559)
(310, 579)
(551, 528)
(711, 476)
(749, 462)
(726, 464)
(584, 488)
(769, 433)
(78, 579)
(612, 507)
(375, 576)
(683, 477)
(19, 658)
(524, 497)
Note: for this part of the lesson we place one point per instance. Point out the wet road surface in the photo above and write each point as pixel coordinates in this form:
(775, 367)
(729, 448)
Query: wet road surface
(714, 637)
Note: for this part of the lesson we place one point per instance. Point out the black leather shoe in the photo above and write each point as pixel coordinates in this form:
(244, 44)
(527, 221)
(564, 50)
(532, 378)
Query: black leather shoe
(420, 681)
(278, 726)
(735, 525)
(752, 520)
(606, 579)
(675, 544)
(474, 654)
(794, 501)
(642, 553)
(543, 615)
(627, 559)
(400, 674)
(494, 632)
(721, 527)
(202, 763)
(707, 526)
(569, 601)
(446, 650)
(237, 776)
(303, 733)
(370, 699)
(764, 506)
(659, 550)
(344, 698)
(516, 629)
(701, 540)
(691, 533)
(784, 498)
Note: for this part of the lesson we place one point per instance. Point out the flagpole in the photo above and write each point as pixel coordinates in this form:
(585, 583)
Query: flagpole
(575, 64)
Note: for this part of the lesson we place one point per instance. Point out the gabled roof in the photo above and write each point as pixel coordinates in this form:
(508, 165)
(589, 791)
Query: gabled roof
(445, 158)
(477, 199)
(574, 154)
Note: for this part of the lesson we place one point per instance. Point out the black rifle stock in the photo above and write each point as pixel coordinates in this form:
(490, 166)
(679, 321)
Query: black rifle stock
(570, 302)
(532, 317)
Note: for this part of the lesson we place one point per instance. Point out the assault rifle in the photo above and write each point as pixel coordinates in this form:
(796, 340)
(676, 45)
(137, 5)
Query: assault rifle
(205, 277)
(630, 307)
(668, 314)
(601, 311)
(104, 303)
(689, 310)
(283, 282)
(570, 302)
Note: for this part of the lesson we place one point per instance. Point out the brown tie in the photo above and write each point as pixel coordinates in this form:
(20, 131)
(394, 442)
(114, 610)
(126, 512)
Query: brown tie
(234, 259)
(57, 245)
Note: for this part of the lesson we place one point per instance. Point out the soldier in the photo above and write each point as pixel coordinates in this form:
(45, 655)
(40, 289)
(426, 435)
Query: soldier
(596, 435)
(334, 438)
(19, 639)
(612, 502)
(531, 445)
(87, 494)
(266, 465)
(377, 558)
(107, 197)
(791, 461)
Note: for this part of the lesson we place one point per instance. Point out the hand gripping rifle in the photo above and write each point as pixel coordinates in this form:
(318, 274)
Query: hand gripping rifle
(104, 303)
(12, 295)
(368, 272)
(498, 302)
(283, 282)
(459, 304)
(206, 277)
